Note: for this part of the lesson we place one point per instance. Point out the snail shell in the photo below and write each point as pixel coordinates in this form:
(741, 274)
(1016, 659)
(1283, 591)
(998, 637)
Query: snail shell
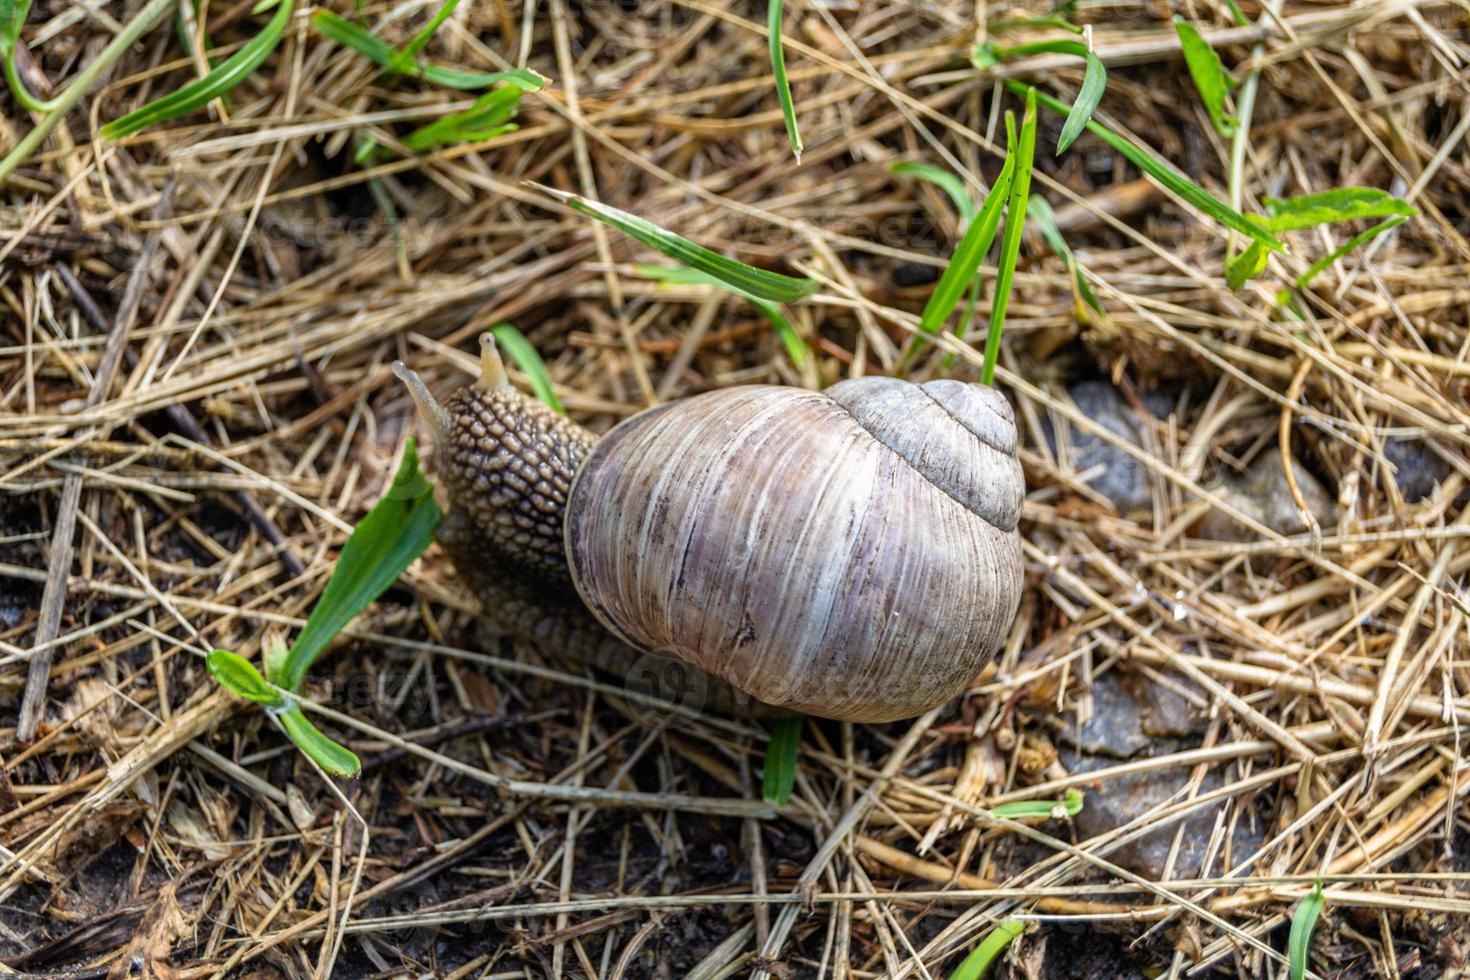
(852, 554)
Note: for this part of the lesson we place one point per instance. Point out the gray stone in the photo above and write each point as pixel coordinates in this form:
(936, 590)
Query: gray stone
(1417, 468)
(1122, 479)
(1262, 493)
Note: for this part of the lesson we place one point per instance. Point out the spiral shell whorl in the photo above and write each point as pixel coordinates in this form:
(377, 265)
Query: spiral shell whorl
(851, 554)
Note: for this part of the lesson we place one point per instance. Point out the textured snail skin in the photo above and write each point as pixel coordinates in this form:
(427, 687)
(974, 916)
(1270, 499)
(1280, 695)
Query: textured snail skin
(852, 554)
(507, 463)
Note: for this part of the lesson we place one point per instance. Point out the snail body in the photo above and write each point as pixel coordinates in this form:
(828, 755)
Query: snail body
(851, 553)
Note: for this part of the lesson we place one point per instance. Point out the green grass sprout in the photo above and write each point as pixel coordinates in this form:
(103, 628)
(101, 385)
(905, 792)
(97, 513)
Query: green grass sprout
(514, 343)
(984, 956)
(223, 78)
(488, 117)
(778, 68)
(1089, 309)
(964, 264)
(1010, 243)
(779, 775)
(748, 279)
(410, 51)
(13, 14)
(380, 52)
(1311, 210)
(1209, 76)
(1069, 806)
(1303, 923)
(944, 180)
(384, 543)
(1339, 204)
(121, 42)
(796, 349)
(1357, 241)
(1165, 174)
(1240, 269)
(1094, 79)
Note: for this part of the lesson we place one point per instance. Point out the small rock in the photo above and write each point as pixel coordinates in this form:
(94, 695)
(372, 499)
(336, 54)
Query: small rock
(1129, 713)
(1120, 801)
(1262, 493)
(1417, 468)
(1117, 476)
(910, 274)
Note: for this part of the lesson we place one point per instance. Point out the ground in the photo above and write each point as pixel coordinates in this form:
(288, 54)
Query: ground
(1243, 629)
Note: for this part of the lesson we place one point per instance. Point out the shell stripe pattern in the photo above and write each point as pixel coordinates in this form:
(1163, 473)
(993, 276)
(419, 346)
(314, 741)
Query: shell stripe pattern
(766, 535)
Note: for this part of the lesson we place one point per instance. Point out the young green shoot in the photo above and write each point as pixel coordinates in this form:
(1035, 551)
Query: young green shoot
(381, 53)
(964, 264)
(786, 332)
(984, 956)
(385, 542)
(221, 79)
(514, 343)
(85, 79)
(1094, 79)
(778, 68)
(1010, 243)
(1089, 309)
(1162, 172)
(1067, 807)
(965, 205)
(779, 774)
(13, 15)
(1311, 210)
(748, 279)
(1209, 76)
(1303, 923)
(406, 57)
(1357, 241)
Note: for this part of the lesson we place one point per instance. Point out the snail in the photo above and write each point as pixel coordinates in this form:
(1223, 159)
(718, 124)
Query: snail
(851, 553)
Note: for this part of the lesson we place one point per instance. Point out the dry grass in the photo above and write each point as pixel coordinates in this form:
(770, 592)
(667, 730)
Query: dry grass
(187, 480)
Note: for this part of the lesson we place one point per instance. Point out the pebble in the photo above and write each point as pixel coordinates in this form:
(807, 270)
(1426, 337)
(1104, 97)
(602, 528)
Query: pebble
(1417, 468)
(1117, 476)
(1262, 493)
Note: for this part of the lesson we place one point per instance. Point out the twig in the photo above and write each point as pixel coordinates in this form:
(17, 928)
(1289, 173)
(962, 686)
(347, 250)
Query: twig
(59, 567)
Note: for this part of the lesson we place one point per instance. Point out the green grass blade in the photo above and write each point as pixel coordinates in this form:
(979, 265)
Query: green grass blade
(759, 283)
(222, 79)
(335, 759)
(1164, 174)
(1235, 14)
(1094, 79)
(1357, 241)
(786, 332)
(1070, 806)
(1010, 243)
(239, 676)
(944, 180)
(514, 343)
(1015, 23)
(13, 14)
(779, 774)
(488, 117)
(984, 956)
(1094, 83)
(380, 52)
(1244, 267)
(1038, 210)
(1303, 922)
(968, 255)
(403, 59)
(384, 543)
(1339, 204)
(778, 68)
(1209, 76)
